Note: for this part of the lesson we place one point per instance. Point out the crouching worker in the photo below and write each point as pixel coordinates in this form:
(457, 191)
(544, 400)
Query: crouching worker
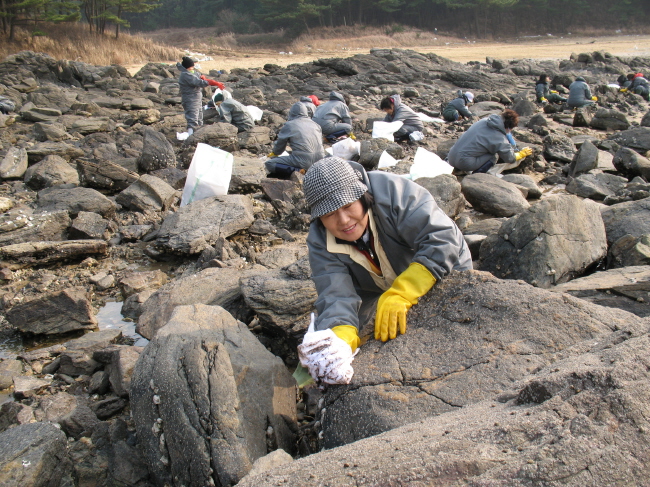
(639, 85)
(544, 93)
(396, 111)
(580, 94)
(457, 109)
(306, 140)
(477, 149)
(231, 111)
(334, 118)
(377, 242)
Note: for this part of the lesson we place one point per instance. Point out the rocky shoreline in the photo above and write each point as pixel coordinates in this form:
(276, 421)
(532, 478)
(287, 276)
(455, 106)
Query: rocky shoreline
(528, 370)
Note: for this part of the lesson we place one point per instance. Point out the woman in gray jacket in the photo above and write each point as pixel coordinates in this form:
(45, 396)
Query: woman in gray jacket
(396, 111)
(477, 149)
(306, 141)
(333, 117)
(580, 94)
(231, 111)
(191, 85)
(376, 241)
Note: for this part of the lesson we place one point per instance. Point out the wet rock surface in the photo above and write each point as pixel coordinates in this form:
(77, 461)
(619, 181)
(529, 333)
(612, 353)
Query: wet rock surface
(91, 178)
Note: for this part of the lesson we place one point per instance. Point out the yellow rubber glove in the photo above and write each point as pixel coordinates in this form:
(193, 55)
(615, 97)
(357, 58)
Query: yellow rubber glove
(348, 334)
(553, 91)
(543, 100)
(352, 136)
(594, 98)
(525, 152)
(271, 154)
(623, 90)
(393, 305)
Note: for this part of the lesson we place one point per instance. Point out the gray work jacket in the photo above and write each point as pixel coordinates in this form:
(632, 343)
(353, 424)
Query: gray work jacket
(579, 93)
(410, 227)
(404, 114)
(190, 84)
(303, 135)
(331, 112)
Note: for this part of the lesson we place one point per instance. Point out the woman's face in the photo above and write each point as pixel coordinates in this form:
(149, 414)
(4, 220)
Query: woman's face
(348, 222)
(389, 111)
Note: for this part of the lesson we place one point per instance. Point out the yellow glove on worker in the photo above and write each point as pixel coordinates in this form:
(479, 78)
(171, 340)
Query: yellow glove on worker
(554, 91)
(623, 90)
(543, 100)
(271, 154)
(393, 305)
(348, 334)
(525, 152)
(352, 136)
(594, 98)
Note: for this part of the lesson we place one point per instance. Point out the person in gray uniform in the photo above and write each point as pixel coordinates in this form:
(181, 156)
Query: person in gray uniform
(306, 140)
(580, 94)
(457, 108)
(639, 85)
(231, 111)
(191, 86)
(544, 92)
(397, 111)
(377, 242)
(6, 105)
(311, 102)
(333, 117)
(477, 149)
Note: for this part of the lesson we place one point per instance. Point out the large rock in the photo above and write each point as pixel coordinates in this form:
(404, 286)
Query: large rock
(212, 286)
(635, 138)
(43, 149)
(579, 421)
(51, 171)
(54, 313)
(446, 190)
(28, 254)
(468, 340)
(105, 175)
(157, 152)
(74, 201)
(553, 241)
(70, 412)
(629, 251)
(254, 138)
(147, 193)
(630, 218)
(596, 186)
(55, 132)
(89, 225)
(247, 175)
(281, 298)
(35, 455)
(120, 362)
(609, 119)
(196, 226)
(371, 150)
(491, 195)
(207, 399)
(559, 147)
(632, 163)
(585, 159)
(223, 135)
(526, 182)
(14, 163)
(47, 227)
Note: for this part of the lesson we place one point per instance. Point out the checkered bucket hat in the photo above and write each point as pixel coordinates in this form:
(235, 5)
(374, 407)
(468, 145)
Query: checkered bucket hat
(330, 184)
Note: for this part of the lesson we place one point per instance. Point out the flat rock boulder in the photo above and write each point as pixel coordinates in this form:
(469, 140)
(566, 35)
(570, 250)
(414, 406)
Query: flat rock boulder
(247, 175)
(468, 340)
(157, 152)
(491, 195)
(629, 218)
(194, 227)
(91, 125)
(629, 251)
(23, 227)
(14, 163)
(55, 313)
(632, 163)
(17, 256)
(35, 454)
(526, 182)
(89, 225)
(609, 119)
(585, 159)
(636, 138)
(553, 241)
(148, 193)
(207, 398)
(281, 298)
(43, 149)
(623, 280)
(596, 186)
(446, 190)
(51, 171)
(105, 175)
(554, 428)
(371, 150)
(254, 138)
(74, 201)
(212, 286)
(559, 147)
(68, 411)
(223, 135)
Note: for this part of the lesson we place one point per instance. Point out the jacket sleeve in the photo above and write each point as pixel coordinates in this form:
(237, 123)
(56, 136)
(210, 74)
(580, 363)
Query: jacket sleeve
(338, 302)
(282, 140)
(344, 113)
(194, 80)
(505, 150)
(464, 111)
(438, 243)
(539, 90)
(587, 92)
(226, 113)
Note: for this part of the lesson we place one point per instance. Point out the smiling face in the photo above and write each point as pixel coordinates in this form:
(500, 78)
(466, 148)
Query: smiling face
(348, 222)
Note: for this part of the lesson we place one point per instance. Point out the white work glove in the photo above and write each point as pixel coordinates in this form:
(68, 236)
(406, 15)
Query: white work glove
(327, 358)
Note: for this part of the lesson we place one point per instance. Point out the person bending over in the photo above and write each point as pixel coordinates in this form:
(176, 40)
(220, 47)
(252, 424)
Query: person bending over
(457, 109)
(397, 111)
(477, 149)
(544, 92)
(231, 111)
(334, 118)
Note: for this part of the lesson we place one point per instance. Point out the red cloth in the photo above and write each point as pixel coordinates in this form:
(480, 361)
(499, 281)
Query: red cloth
(638, 75)
(314, 99)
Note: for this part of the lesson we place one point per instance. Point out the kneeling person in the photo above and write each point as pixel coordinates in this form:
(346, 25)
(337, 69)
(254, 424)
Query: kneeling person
(233, 112)
(396, 111)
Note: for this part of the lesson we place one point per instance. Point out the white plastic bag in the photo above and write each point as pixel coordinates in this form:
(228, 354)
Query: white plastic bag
(385, 130)
(346, 149)
(182, 135)
(209, 174)
(426, 118)
(428, 165)
(386, 160)
(255, 112)
(416, 136)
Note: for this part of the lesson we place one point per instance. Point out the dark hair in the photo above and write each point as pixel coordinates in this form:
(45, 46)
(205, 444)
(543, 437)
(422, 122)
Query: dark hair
(621, 79)
(542, 78)
(630, 76)
(346, 97)
(386, 103)
(510, 118)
